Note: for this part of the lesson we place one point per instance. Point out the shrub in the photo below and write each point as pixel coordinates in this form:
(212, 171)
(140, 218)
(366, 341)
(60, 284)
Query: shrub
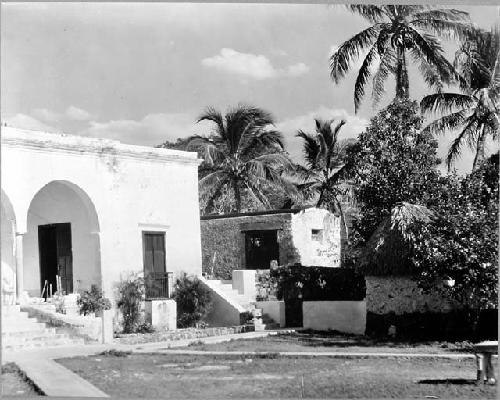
(92, 301)
(131, 294)
(193, 301)
(319, 283)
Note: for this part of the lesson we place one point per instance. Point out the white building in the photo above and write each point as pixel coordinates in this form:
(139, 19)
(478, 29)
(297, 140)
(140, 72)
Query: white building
(93, 211)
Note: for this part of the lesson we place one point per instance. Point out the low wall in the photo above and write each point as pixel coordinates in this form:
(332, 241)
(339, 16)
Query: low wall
(401, 295)
(223, 312)
(275, 310)
(162, 314)
(342, 316)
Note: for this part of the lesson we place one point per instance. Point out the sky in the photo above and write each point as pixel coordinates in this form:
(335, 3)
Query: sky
(143, 73)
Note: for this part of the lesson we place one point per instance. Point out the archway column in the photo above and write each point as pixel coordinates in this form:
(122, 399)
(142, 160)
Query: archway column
(20, 299)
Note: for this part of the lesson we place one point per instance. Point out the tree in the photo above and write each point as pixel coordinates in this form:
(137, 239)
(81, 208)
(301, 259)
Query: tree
(475, 111)
(323, 179)
(461, 242)
(393, 162)
(399, 31)
(243, 154)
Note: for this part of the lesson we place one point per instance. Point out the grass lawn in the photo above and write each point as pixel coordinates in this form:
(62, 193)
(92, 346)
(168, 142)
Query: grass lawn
(200, 377)
(14, 383)
(331, 342)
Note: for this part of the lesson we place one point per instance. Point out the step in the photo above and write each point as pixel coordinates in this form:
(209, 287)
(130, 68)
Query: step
(23, 326)
(35, 338)
(28, 333)
(15, 315)
(44, 343)
(9, 309)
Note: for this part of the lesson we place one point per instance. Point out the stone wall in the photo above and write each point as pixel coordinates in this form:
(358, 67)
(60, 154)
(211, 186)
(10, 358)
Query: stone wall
(223, 239)
(341, 316)
(401, 295)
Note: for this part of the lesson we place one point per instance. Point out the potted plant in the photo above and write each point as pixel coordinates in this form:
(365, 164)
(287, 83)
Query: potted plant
(92, 302)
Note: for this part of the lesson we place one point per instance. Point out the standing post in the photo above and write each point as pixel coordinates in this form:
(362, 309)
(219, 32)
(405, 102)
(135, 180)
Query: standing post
(19, 268)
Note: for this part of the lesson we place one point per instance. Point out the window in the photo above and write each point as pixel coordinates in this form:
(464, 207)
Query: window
(154, 252)
(261, 247)
(317, 234)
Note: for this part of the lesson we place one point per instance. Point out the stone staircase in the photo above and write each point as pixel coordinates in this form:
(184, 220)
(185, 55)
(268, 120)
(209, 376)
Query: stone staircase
(19, 332)
(241, 303)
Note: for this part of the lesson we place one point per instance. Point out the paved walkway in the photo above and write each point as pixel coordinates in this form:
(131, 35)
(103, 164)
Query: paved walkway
(55, 380)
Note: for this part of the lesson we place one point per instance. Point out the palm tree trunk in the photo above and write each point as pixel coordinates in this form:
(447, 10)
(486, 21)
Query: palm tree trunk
(479, 157)
(402, 82)
(237, 195)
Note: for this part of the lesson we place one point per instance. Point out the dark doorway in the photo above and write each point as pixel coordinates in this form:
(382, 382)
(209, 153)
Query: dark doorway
(56, 258)
(261, 247)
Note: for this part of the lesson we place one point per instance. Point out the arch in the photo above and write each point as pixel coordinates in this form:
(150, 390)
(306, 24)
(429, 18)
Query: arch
(8, 257)
(62, 235)
(8, 208)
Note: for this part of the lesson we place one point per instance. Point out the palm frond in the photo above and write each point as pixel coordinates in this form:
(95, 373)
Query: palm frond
(341, 59)
(443, 28)
(387, 63)
(253, 143)
(209, 147)
(446, 123)
(211, 114)
(372, 13)
(311, 148)
(463, 137)
(446, 102)
(444, 14)
(363, 75)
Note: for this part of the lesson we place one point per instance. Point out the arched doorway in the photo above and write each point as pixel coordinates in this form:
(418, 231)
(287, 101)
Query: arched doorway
(7, 235)
(62, 239)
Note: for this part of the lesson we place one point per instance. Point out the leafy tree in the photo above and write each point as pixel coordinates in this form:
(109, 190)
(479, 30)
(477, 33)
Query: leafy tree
(323, 181)
(193, 300)
(243, 154)
(179, 144)
(474, 112)
(461, 242)
(393, 162)
(399, 31)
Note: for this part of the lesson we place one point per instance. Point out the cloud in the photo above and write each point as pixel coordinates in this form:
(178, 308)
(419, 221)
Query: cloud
(46, 115)
(151, 130)
(23, 121)
(289, 127)
(77, 114)
(258, 67)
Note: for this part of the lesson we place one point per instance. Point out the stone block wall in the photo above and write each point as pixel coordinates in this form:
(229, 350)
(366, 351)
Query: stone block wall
(401, 295)
(223, 239)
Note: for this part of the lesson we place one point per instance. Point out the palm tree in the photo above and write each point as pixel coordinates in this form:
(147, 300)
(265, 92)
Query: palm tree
(399, 31)
(323, 179)
(243, 154)
(475, 111)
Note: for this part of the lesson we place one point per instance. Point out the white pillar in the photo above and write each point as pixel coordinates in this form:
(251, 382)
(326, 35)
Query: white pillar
(19, 268)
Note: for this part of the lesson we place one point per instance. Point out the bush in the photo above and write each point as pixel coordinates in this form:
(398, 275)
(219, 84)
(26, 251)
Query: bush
(319, 283)
(131, 295)
(92, 301)
(193, 301)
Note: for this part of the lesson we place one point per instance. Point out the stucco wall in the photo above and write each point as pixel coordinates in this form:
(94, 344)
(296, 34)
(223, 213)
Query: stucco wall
(7, 251)
(130, 189)
(324, 252)
(386, 294)
(342, 316)
(225, 238)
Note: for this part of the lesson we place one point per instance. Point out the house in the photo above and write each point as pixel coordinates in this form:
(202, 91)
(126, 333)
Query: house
(93, 211)
(253, 240)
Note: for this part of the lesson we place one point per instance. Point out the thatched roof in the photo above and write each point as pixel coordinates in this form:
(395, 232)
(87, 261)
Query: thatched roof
(387, 250)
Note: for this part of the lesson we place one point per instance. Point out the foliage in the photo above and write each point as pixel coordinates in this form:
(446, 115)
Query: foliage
(396, 32)
(393, 162)
(242, 155)
(193, 301)
(92, 301)
(474, 112)
(58, 301)
(318, 283)
(324, 178)
(461, 243)
(131, 294)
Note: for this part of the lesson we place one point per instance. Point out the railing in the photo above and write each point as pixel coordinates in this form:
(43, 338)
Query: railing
(159, 285)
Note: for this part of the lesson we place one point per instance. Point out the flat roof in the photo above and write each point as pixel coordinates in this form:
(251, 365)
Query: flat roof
(254, 213)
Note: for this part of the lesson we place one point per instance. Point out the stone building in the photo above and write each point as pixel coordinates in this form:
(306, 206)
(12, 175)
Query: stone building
(93, 211)
(252, 240)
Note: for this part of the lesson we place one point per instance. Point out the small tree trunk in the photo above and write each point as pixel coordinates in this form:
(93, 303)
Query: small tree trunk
(479, 157)
(237, 196)
(402, 81)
